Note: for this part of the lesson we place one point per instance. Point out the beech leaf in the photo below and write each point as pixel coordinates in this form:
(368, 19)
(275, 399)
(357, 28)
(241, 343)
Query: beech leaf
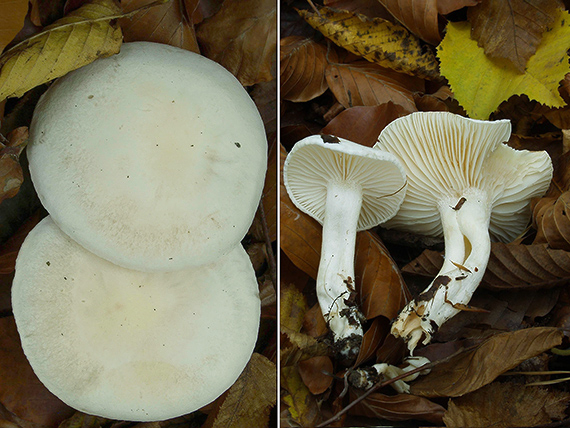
(242, 36)
(418, 16)
(512, 29)
(553, 222)
(296, 347)
(511, 266)
(12, 14)
(73, 41)
(165, 23)
(302, 68)
(316, 373)
(300, 403)
(250, 399)
(11, 174)
(481, 83)
(474, 368)
(375, 39)
(506, 405)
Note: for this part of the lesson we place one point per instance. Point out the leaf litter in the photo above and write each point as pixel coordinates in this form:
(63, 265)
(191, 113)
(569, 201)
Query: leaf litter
(519, 73)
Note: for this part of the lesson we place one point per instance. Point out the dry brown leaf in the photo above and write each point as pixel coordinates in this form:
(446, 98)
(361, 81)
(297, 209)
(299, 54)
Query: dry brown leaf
(314, 323)
(293, 306)
(364, 84)
(250, 399)
(298, 400)
(399, 407)
(472, 369)
(418, 16)
(512, 29)
(44, 12)
(510, 266)
(78, 39)
(269, 196)
(302, 68)
(375, 39)
(447, 6)
(166, 23)
(504, 405)
(11, 174)
(552, 220)
(21, 392)
(316, 373)
(12, 14)
(363, 124)
(242, 36)
(296, 347)
(372, 339)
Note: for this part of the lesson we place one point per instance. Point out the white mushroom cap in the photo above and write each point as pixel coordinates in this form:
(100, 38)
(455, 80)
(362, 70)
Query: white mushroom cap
(445, 155)
(153, 159)
(318, 160)
(130, 345)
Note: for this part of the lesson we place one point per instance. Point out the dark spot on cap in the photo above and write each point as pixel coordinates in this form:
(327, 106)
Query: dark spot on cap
(238, 145)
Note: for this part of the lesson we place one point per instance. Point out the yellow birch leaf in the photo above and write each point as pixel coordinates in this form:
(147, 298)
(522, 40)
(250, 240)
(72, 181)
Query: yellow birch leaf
(377, 40)
(250, 399)
(73, 41)
(481, 83)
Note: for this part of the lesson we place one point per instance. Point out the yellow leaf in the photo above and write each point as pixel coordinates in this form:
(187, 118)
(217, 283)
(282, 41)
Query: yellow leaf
(250, 399)
(297, 347)
(12, 14)
(481, 83)
(301, 404)
(377, 40)
(292, 308)
(75, 40)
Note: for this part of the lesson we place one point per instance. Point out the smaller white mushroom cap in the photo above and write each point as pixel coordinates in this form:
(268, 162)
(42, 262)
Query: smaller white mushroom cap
(445, 155)
(129, 345)
(153, 159)
(319, 159)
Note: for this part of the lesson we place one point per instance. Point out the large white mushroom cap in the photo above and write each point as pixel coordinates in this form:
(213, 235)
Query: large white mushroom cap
(129, 345)
(153, 159)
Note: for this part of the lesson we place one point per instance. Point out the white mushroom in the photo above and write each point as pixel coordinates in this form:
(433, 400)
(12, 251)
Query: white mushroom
(153, 159)
(463, 183)
(346, 187)
(129, 345)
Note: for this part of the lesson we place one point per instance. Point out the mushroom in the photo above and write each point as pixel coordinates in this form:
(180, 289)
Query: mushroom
(131, 345)
(464, 184)
(346, 187)
(153, 159)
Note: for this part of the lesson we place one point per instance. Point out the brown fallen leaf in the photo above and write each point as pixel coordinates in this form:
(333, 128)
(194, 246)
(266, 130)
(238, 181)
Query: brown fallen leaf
(44, 12)
(166, 23)
(11, 174)
(399, 407)
(474, 368)
(242, 36)
(375, 39)
(512, 29)
(364, 84)
(296, 347)
(250, 399)
(552, 220)
(372, 339)
(504, 405)
(314, 323)
(363, 124)
(21, 392)
(12, 14)
(447, 6)
(302, 67)
(418, 16)
(78, 39)
(316, 373)
(511, 266)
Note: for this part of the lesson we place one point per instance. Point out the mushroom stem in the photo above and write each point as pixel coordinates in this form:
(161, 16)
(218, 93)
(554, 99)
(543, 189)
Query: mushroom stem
(467, 248)
(335, 279)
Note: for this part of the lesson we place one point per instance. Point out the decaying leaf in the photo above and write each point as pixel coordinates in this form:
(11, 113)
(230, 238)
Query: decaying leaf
(364, 84)
(418, 16)
(377, 40)
(303, 63)
(166, 23)
(472, 369)
(399, 407)
(250, 399)
(293, 306)
(316, 373)
(299, 402)
(552, 221)
(242, 36)
(481, 83)
(511, 266)
(296, 347)
(12, 14)
(512, 29)
(81, 37)
(372, 339)
(504, 405)
(11, 175)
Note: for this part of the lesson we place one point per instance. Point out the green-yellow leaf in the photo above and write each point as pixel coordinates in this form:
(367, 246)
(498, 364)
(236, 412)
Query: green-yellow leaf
(481, 83)
(379, 41)
(300, 403)
(77, 39)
